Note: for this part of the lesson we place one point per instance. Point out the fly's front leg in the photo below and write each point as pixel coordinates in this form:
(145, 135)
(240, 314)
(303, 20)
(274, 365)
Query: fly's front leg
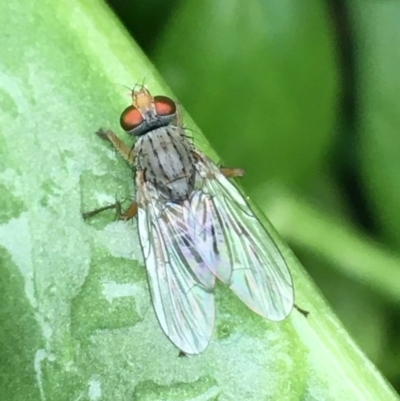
(232, 172)
(124, 150)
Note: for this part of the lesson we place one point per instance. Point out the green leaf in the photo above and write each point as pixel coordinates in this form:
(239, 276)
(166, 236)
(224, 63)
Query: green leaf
(76, 316)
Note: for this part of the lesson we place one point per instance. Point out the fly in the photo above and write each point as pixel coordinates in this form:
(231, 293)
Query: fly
(194, 226)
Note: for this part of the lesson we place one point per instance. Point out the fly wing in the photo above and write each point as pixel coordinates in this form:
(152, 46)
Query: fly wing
(183, 301)
(191, 226)
(249, 260)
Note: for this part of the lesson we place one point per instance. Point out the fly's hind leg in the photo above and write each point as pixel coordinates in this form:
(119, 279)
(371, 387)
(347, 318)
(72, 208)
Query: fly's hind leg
(304, 312)
(124, 150)
(232, 172)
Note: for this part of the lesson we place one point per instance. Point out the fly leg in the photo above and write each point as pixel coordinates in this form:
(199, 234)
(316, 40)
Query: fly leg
(127, 215)
(304, 312)
(226, 171)
(124, 150)
(232, 172)
(116, 206)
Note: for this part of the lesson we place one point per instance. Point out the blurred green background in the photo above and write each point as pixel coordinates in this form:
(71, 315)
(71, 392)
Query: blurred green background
(305, 97)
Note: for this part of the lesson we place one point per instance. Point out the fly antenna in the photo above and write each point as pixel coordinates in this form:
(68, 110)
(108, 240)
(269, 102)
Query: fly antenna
(127, 87)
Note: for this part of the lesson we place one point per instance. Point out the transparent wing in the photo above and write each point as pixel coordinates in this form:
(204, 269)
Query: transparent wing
(183, 301)
(192, 229)
(249, 261)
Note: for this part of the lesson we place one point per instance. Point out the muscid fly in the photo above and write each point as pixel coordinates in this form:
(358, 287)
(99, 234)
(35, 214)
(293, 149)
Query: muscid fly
(194, 226)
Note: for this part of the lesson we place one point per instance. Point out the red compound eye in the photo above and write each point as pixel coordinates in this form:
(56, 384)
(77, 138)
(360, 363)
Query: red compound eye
(130, 118)
(164, 106)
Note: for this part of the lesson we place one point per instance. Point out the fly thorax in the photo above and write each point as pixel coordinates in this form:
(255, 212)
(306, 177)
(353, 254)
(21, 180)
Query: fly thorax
(164, 155)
